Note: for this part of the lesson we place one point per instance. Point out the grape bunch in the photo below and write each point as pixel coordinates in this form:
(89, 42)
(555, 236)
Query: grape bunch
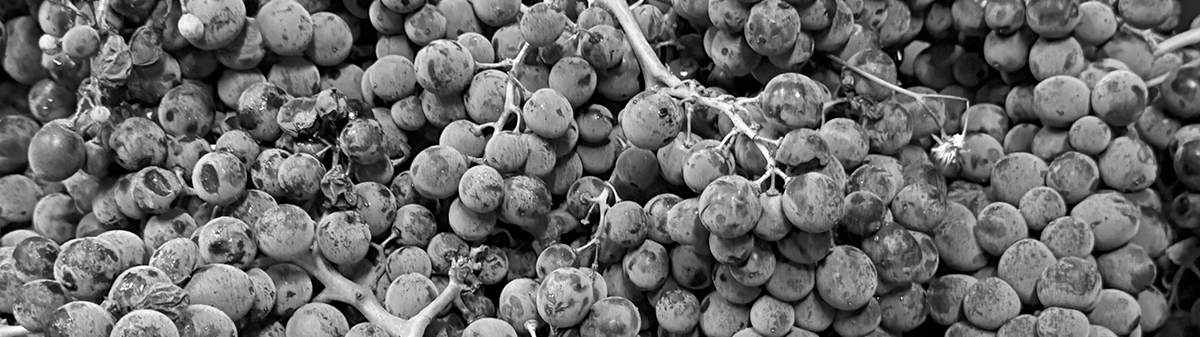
(495, 168)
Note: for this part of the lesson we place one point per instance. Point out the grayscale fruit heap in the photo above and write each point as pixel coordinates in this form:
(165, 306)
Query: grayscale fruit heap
(493, 168)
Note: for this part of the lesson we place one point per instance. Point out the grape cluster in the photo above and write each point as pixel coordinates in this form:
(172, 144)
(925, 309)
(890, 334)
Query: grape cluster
(496, 168)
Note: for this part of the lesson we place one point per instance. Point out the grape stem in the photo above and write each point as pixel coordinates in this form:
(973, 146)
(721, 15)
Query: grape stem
(14, 331)
(510, 93)
(1179, 41)
(1154, 82)
(339, 288)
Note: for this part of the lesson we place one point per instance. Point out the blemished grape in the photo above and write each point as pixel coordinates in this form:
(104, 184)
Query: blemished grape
(79, 318)
(612, 316)
(542, 25)
(652, 120)
(36, 301)
(287, 28)
(437, 170)
(226, 240)
(87, 267)
(847, 278)
(144, 322)
(444, 67)
(343, 237)
(565, 297)
(414, 225)
(317, 319)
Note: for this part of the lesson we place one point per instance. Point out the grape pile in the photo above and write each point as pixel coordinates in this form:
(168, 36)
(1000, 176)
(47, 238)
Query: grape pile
(505, 168)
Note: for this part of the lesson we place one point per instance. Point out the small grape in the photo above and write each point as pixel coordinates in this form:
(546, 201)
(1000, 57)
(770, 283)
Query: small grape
(331, 39)
(647, 266)
(414, 225)
(293, 288)
(574, 78)
(470, 225)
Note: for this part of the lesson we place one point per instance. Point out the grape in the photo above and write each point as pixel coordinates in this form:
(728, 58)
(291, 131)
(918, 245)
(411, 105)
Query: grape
(36, 301)
(990, 303)
(731, 251)
(343, 237)
(1067, 236)
(489, 327)
(604, 47)
(414, 225)
(219, 23)
(612, 316)
(1112, 218)
(1062, 322)
(547, 113)
(131, 289)
(729, 15)
(87, 266)
(22, 56)
(1000, 225)
(177, 258)
(221, 176)
(564, 298)
(79, 318)
(226, 240)
(527, 201)
(408, 294)
(1070, 282)
(542, 25)
(390, 78)
(621, 81)
(222, 286)
(678, 311)
(735, 54)
(56, 216)
(895, 251)
(846, 278)
(287, 28)
(460, 18)
(771, 27)
(366, 329)
(66, 149)
(293, 288)
(858, 322)
(437, 170)
(1128, 268)
(130, 251)
(361, 141)
(444, 67)
(705, 162)
(297, 77)
(719, 317)
(443, 248)
(317, 320)
(377, 205)
(244, 52)
(331, 39)
(144, 322)
(517, 302)
(1115, 310)
(34, 256)
(651, 120)
(484, 98)
(81, 42)
(555, 257)
(647, 266)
